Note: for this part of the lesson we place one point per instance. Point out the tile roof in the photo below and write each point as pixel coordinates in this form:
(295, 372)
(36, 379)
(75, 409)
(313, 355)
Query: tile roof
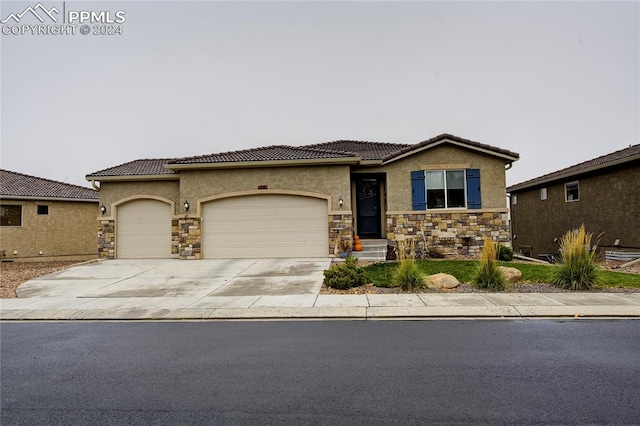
(622, 156)
(365, 150)
(440, 138)
(16, 185)
(269, 153)
(144, 167)
(340, 149)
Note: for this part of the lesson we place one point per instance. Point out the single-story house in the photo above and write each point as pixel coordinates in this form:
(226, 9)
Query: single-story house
(304, 201)
(42, 219)
(601, 193)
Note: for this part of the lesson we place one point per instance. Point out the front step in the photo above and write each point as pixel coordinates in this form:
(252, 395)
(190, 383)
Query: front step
(372, 250)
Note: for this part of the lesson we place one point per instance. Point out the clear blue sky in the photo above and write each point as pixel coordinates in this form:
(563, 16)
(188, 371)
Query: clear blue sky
(557, 82)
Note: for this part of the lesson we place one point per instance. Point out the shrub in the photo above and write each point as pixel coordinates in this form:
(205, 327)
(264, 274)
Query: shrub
(407, 276)
(505, 253)
(345, 275)
(577, 269)
(488, 276)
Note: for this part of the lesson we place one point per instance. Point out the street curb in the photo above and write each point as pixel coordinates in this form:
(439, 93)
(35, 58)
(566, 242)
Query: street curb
(354, 313)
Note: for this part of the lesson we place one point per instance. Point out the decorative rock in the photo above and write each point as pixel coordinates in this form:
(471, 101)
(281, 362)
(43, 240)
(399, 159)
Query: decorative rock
(441, 281)
(512, 275)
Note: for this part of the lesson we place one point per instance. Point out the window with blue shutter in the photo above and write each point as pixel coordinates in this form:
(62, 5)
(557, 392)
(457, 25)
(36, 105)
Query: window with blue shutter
(474, 200)
(440, 189)
(418, 194)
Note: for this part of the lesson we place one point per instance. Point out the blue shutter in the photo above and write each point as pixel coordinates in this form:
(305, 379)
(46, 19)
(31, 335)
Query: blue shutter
(474, 201)
(418, 196)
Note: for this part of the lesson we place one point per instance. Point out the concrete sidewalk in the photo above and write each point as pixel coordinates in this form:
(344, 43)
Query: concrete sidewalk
(267, 289)
(372, 306)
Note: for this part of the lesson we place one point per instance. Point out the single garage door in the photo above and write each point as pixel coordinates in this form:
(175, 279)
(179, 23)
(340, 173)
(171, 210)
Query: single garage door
(265, 226)
(143, 230)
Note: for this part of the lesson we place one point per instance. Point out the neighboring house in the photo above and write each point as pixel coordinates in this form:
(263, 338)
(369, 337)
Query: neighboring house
(601, 193)
(284, 201)
(43, 219)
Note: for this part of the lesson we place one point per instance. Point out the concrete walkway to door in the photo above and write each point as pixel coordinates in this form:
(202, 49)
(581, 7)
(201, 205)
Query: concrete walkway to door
(267, 289)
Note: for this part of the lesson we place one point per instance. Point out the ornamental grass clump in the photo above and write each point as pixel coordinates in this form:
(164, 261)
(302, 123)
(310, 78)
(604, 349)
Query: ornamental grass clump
(488, 276)
(407, 276)
(578, 268)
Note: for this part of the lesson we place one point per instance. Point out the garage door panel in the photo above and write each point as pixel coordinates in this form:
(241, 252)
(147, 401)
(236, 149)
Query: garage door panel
(143, 230)
(265, 226)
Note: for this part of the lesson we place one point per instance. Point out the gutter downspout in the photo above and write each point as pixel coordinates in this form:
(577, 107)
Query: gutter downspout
(96, 187)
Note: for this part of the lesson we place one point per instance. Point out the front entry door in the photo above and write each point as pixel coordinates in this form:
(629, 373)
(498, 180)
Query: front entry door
(368, 205)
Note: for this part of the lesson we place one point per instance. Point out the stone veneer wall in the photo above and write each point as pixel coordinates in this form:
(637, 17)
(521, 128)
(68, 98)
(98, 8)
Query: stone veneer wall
(340, 228)
(106, 239)
(187, 238)
(445, 231)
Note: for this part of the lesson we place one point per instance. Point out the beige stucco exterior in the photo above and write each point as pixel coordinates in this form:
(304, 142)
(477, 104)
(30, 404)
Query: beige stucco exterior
(68, 232)
(117, 192)
(330, 182)
(398, 175)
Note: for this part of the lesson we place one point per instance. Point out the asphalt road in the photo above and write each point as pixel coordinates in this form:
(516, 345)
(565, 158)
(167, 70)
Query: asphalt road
(321, 372)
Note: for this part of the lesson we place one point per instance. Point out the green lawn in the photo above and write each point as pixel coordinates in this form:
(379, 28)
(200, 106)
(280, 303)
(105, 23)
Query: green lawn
(380, 273)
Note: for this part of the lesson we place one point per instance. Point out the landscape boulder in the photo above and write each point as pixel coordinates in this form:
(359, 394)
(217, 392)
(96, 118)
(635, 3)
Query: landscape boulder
(441, 281)
(512, 275)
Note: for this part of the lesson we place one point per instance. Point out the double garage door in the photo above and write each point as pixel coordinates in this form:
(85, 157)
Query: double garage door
(254, 226)
(265, 226)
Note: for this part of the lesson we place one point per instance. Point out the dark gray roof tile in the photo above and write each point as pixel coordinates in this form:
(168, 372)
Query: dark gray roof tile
(13, 184)
(143, 167)
(269, 153)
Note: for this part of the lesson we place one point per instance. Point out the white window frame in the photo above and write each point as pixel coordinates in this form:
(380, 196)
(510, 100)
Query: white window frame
(566, 191)
(446, 197)
(543, 193)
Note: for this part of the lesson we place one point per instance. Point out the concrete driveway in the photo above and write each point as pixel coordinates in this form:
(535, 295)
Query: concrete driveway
(179, 278)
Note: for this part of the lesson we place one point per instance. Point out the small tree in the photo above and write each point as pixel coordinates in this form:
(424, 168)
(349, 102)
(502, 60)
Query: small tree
(488, 276)
(577, 269)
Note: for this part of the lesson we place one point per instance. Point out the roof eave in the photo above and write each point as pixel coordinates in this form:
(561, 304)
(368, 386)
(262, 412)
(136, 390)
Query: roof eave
(33, 198)
(565, 176)
(271, 163)
(132, 177)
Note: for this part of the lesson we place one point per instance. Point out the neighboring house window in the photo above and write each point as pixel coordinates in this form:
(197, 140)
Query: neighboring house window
(514, 199)
(11, 216)
(43, 210)
(445, 189)
(543, 193)
(572, 191)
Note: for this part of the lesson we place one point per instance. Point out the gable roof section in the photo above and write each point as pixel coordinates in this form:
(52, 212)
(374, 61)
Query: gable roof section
(454, 140)
(146, 167)
(15, 185)
(622, 156)
(269, 154)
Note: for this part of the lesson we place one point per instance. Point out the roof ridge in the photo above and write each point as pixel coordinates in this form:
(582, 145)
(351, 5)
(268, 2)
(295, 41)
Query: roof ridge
(48, 180)
(231, 152)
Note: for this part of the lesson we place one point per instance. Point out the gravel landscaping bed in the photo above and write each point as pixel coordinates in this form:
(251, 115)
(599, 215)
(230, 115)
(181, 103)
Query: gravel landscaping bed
(12, 274)
(513, 288)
